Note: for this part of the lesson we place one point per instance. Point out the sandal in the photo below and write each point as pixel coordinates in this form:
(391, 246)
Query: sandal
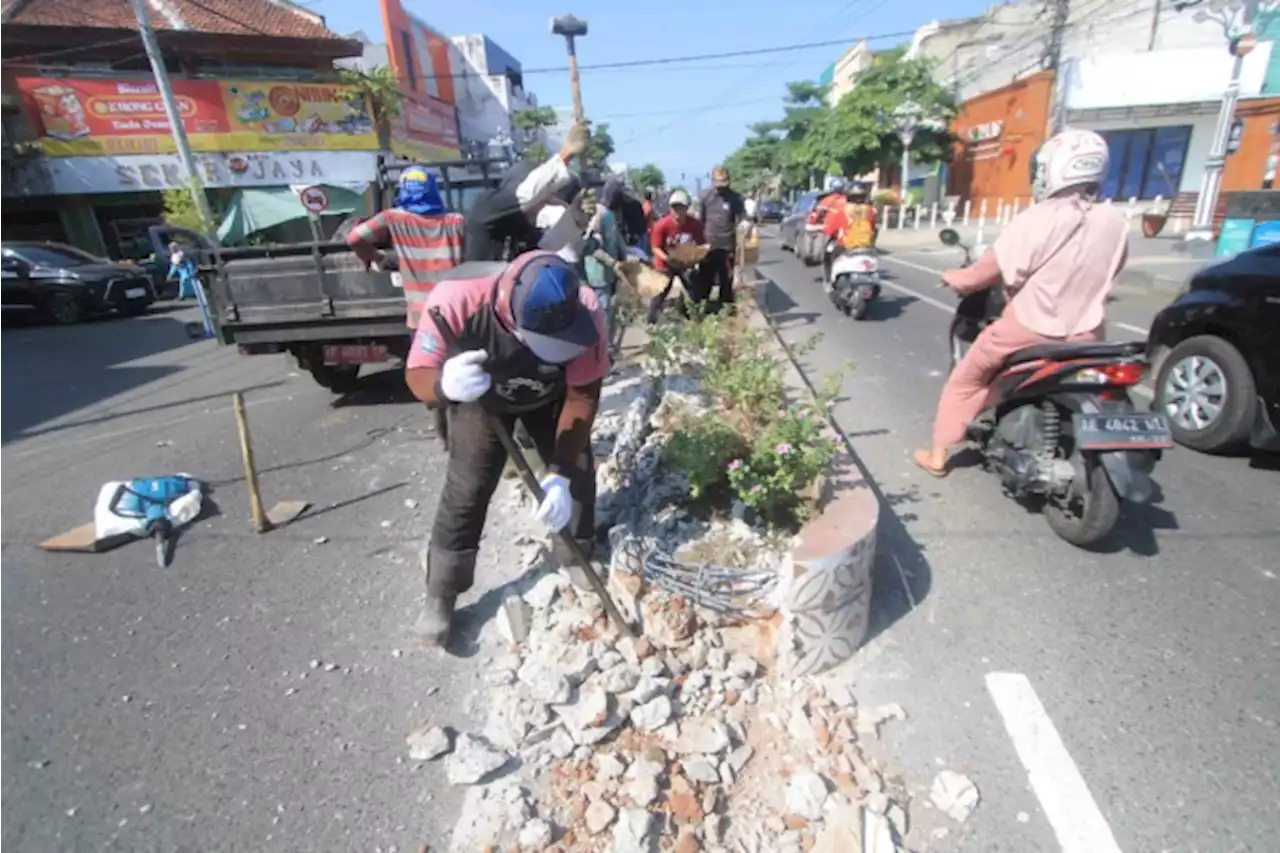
(920, 456)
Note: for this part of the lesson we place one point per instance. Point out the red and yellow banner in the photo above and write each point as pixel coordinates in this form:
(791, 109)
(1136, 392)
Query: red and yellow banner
(425, 131)
(86, 118)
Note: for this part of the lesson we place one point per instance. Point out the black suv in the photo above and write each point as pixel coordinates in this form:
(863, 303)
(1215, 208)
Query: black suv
(1216, 352)
(66, 284)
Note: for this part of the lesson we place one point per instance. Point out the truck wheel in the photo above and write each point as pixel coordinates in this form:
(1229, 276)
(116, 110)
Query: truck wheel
(63, 308)
(338, 378)
(1208, 392)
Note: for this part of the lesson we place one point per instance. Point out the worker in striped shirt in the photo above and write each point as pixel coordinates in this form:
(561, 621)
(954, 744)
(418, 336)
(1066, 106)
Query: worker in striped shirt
(426, 237)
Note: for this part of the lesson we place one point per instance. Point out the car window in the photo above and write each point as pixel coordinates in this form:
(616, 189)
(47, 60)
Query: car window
(50, 256)
(806, 202)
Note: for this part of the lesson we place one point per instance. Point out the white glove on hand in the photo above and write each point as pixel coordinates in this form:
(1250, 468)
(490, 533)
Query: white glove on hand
(557, 505)
(463, 378)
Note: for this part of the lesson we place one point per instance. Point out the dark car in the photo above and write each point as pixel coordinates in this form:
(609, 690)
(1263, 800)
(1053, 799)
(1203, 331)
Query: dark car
(66, 284)
(792, 227)
(771, 210)
(1216, 354)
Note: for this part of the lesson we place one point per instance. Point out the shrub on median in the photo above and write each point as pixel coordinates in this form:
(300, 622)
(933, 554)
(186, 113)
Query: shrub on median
(750, 445)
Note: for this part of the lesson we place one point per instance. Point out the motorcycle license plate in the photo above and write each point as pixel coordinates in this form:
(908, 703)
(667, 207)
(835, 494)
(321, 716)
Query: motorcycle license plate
(396, 280)
(354, 353)
(1122, 432)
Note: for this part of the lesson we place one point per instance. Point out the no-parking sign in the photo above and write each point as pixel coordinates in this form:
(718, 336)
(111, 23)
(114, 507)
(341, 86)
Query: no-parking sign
(315, 199)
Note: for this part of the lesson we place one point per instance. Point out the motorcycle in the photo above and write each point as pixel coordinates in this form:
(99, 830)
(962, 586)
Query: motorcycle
(851, 278)
(1060, 428)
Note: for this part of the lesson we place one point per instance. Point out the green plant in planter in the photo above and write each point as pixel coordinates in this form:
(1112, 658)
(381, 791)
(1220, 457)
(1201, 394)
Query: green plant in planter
(700, 449)
(787, 457)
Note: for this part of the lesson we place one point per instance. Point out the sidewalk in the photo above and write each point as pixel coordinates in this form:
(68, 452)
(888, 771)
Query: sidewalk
(1152, 263)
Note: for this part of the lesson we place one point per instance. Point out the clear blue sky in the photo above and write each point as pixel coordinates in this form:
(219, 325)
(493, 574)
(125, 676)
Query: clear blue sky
(684, 117)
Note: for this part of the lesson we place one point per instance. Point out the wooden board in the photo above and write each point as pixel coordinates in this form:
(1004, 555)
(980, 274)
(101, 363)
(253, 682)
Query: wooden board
(285, 512)
(84, 540)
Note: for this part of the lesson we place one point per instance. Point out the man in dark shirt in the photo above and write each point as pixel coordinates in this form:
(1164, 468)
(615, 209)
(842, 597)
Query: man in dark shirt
(722, 210)
(503, 221)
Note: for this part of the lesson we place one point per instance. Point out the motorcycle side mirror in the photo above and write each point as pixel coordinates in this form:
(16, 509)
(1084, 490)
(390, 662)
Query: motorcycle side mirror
(949, 237)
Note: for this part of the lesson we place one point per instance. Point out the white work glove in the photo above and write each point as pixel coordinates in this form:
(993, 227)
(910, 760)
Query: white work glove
(557, 505)
(463, 378)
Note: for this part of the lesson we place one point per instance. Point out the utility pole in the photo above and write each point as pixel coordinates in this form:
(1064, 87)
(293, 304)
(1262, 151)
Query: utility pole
(1053, 62)
(1211, 183)
(171, 113)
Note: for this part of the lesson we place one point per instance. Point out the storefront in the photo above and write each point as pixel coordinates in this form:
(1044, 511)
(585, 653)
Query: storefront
(1158, 111)
(997, 133)
(107, 151)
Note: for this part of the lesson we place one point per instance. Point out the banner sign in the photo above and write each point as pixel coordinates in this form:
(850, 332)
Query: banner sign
(423, 60)
(82, 117)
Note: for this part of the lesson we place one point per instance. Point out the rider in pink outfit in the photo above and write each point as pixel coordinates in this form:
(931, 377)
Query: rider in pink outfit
(1057, 260)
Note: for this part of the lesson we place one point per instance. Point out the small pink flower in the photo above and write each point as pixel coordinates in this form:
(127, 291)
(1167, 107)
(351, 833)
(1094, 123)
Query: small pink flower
(782, 413)
(755, 490)
(784, 449)
(803, 414)
(735, 465)
(831, 404)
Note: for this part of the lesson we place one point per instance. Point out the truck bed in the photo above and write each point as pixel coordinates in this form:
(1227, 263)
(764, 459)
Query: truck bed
(302, 292)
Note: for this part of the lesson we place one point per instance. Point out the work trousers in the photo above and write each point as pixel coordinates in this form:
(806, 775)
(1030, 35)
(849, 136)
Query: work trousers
(716, 272)
(476, 461)
(692, 283)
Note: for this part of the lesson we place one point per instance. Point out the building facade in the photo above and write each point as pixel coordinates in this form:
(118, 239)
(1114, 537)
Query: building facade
(90, 151)
(1147, 77)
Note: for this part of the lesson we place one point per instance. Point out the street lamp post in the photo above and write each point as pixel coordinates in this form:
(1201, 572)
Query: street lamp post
(1237, 18)
(909, 118)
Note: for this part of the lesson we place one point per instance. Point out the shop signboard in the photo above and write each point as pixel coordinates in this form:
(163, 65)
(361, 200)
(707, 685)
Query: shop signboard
(83, 117)
(425, 131)
(154, 172)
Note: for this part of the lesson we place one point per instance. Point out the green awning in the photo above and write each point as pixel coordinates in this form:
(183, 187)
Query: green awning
(259, 208)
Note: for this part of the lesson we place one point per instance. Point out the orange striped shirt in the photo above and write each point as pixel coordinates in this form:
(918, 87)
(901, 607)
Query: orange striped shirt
(425, 245)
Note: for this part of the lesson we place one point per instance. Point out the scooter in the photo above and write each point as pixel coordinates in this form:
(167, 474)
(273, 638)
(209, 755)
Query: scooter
(851, 278)
(1060, 428)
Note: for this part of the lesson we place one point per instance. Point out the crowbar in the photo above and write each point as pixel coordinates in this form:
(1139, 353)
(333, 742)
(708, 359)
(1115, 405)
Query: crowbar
(516, 455)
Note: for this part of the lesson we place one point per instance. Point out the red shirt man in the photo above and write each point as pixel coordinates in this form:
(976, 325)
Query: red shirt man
(674, 229)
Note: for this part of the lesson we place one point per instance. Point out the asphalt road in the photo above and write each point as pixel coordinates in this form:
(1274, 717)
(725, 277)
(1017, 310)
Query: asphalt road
(177, 709)
(1156, 660)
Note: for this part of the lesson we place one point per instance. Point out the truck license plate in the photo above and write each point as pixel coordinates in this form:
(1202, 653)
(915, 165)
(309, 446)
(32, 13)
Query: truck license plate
(135, 293)
(1122, 432)
(354, 353)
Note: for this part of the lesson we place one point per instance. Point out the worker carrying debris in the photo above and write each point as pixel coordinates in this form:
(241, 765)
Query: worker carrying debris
(531, 347)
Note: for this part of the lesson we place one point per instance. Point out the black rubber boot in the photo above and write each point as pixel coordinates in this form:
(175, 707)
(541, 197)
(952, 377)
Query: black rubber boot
(432, 627)
(448, 574)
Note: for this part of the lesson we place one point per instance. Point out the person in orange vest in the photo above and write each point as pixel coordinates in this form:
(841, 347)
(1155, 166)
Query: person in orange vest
(852, 225)
(832, 200)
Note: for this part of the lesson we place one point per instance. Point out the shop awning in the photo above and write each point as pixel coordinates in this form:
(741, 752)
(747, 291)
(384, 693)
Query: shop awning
(259, 208)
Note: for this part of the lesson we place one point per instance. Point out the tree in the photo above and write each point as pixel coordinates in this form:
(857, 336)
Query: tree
(860, 133)
(180, 210)
(385, 98)
(599, 146)
(528, 123)
(647, 176)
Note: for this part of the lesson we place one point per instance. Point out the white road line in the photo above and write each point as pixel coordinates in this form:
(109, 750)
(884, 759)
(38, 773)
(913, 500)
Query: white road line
(1070, 808)
(950, 309)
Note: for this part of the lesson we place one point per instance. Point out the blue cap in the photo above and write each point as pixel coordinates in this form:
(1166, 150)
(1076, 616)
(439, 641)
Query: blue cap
(550, 319)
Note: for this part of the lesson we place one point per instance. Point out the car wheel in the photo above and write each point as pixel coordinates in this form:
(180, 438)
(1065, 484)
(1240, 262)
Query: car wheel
(64, 308)
(1208, 393)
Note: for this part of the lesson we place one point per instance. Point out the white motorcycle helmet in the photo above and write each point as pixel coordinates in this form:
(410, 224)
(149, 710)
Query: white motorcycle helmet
(1071, 158)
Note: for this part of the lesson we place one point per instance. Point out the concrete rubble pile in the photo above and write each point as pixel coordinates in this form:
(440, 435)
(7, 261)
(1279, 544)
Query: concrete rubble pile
(677, 740)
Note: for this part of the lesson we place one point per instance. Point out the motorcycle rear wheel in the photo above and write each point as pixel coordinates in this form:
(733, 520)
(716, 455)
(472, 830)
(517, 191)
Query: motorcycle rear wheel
(1089, 517)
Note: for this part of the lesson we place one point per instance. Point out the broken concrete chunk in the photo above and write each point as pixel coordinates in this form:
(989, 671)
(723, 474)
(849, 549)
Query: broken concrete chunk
(560, 744)
(739, 757)
(955, 794)
(652, 715)
(619, 679)
(535, 836)
(608, 766)
(701, 770)
(472, 760)
(806, 794)
(743, 666)
(703, 737)
(641, 791)
(514, 620)
(428, 743)
(633, 832)
(599, 815)
(544, 592)
(649, 688)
